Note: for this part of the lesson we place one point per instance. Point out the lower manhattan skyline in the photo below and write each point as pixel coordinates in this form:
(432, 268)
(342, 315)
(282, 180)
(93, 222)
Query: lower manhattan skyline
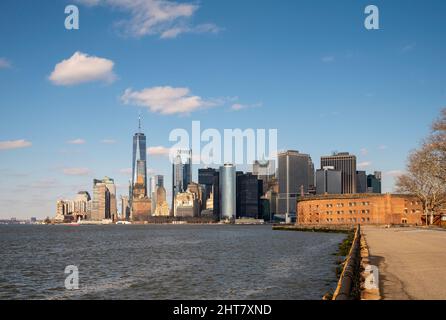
(213, 159)
(373, 94)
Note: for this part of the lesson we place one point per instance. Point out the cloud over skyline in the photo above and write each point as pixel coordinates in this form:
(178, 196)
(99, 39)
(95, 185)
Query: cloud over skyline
(76, 171)
(76, 141)
(14, 144)
(167, 100)
(158, 151)
(82, 68)
(167, 19)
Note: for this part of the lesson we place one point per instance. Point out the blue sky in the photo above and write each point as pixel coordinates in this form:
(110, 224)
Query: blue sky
(308, 68)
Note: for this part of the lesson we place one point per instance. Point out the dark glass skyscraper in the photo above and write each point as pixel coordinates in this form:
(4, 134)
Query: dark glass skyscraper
(346, 163)
(248, 191)
(139, 155)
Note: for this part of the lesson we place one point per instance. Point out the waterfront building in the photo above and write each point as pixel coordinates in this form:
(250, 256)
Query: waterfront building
(81, 205)
(293, 179)
(113, 206)
(101, 201)
(161, 208)
(227, 190)
(248, 192)
(181, 172)
(328, 180)
(374, 182)
(352, 209)
(186, 205)
(61, 210)
(346, 163)
(361, 182)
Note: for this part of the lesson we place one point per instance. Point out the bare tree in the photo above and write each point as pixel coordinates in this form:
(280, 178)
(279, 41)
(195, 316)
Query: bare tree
(423, 179)
(437, 141)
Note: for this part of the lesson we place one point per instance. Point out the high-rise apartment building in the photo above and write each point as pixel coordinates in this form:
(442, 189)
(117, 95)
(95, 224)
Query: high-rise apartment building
(293, 178)
(346, 163)
(227, 192)
(101, 200)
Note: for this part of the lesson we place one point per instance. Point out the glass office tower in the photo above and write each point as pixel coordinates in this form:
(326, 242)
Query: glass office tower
(139, 154)
(227, 192)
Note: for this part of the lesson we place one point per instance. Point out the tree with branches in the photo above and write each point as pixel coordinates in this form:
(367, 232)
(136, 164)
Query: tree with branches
(425, 175)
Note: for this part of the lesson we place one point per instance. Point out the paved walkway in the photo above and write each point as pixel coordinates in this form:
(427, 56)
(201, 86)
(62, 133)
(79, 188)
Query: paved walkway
(411, 261)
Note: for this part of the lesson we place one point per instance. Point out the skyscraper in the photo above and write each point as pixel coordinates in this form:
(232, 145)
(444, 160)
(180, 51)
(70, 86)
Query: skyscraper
(139, 154)
(125, 209)
(227, 192)
(328, 180)
(181, 172)
(155, 182)
(249, 190)
(374, 182)
(209, 178)
(346, 163)
(361, 182)
(101, 199)
(293, 175)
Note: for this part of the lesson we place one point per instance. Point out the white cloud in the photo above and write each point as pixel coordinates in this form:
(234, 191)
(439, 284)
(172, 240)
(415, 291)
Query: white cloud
(204, 28)
(14, 144)
(81, 68)
(4, 63)
(239, 106)
(167, 100)
(365, 164)
(158, 151)
(168, 19)
(76, 141)
(76, 171)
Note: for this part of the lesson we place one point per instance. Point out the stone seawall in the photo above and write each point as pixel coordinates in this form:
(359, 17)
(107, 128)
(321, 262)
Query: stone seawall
(349, 284)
